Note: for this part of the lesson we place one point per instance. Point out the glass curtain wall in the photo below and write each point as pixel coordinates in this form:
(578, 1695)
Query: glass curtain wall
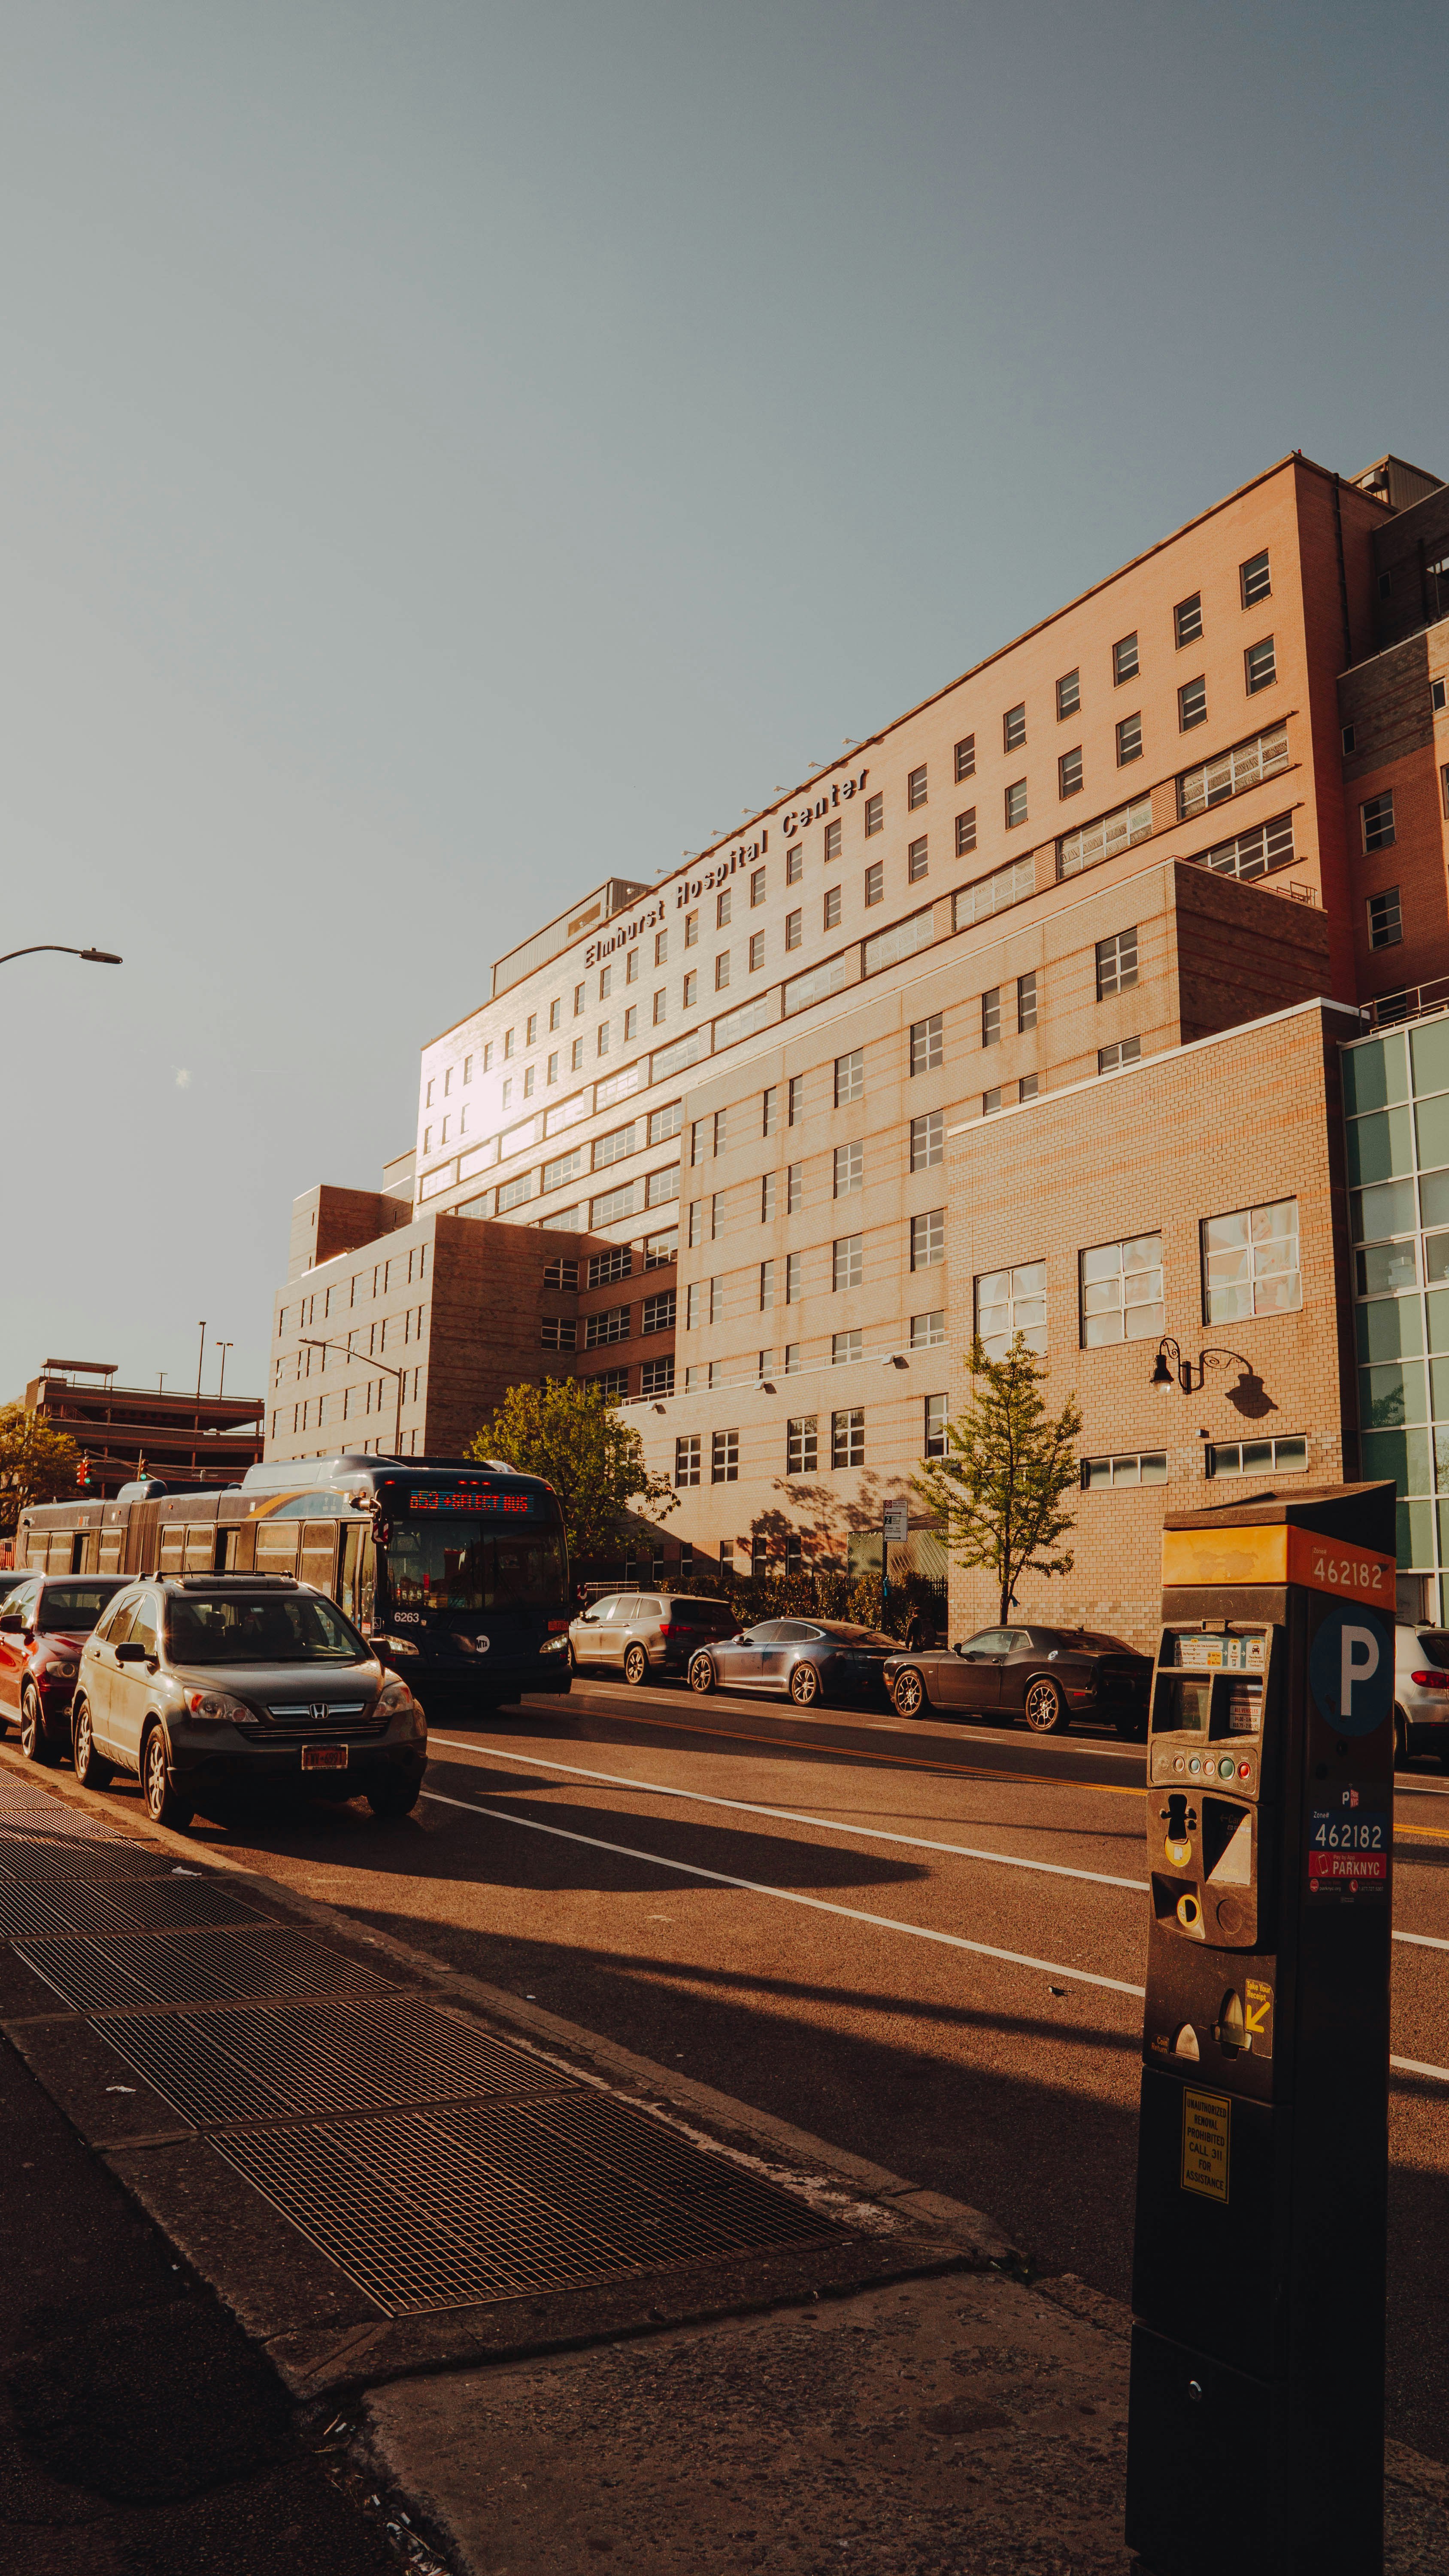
(1396, 1097)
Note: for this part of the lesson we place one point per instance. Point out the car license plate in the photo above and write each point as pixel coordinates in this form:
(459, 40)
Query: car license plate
(324, 1757)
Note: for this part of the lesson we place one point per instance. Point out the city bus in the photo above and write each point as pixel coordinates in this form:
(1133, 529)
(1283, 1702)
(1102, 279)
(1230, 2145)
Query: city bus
(455, 1568)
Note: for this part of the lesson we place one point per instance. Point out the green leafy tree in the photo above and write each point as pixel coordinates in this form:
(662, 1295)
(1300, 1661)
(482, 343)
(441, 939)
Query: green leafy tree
(565, 1432)
(37, 1464)
(998, 1493)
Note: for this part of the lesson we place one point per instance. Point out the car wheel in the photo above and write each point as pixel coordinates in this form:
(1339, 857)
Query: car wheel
(35, 1744)
(636, 1666)
(396, 1794)
(163, 1805)
(91, 1768)
(909, 1693)
(1401, 1739)
(1046, 1710)
(805, 1685)
(702, 1673)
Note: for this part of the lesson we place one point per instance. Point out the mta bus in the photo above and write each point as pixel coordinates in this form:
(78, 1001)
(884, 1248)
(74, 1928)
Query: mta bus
(455, 1568)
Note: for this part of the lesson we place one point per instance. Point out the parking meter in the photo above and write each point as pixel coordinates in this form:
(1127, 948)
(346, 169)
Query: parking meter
(1255, 2435)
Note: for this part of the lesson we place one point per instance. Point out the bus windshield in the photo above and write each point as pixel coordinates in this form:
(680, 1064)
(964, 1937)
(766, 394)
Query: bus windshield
(465, 1564)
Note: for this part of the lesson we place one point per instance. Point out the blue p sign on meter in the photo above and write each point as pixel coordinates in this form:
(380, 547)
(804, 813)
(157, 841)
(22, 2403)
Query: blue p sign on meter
(1351, 1670)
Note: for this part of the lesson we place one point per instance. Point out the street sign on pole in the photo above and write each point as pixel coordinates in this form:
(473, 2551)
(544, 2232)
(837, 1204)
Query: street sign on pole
(894, 1520)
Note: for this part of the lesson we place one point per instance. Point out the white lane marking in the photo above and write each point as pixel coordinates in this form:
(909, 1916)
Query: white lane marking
(787, 1895)
(823, 1905)
(831, 1825)
(794, 1816)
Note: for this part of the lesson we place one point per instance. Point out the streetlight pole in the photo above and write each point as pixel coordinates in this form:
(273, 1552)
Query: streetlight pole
(223, 1347)
(309, 1343)
(51, 948)
(200, 1357)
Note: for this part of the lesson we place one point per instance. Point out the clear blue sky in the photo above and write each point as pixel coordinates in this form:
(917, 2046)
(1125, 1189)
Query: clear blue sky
(448, 454)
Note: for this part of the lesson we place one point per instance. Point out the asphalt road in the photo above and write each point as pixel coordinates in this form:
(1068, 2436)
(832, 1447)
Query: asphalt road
(924, 1944)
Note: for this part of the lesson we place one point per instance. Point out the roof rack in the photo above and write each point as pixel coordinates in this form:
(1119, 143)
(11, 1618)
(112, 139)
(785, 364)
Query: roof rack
(208, 1582)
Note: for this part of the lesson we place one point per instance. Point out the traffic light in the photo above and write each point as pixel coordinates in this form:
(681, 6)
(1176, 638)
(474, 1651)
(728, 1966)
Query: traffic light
(83, 1471)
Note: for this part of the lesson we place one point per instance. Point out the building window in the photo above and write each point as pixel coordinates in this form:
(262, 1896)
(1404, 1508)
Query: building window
(656, 1377)
(849, 1169)
(875, 882)
(631, 1031)
(928, 1239)
(928, 1330)
(1129, 740)
(722, 908)
(757, 951)
(1009, 1302)
(874, 814)
(933, 1429)
(849, 1077)
(966, 832)
(832, 907)
(767, 1198)
(601, 1331)
(631, 971)
(1191, 704)
(1026, 1004)
(605, 1267)
(1117, 963)
(916, 861)
(1069, 694)
(991, 1016)
(794, 864)
(1376, 820)
(757, 888)
(1187, 619)
(991, 1101)
(561, 1274)
(691, 930)
(846, 1262)
(916, 788)
(1015, 803)
(767, 1286)
(792, 1279)
(1385, 920)
(1132, 1467)
(1069, 773)
(1285, 1457)
(927, 1049)
(794, 1188)
(1250, 1263)
(966, 757)
(770, 1109)
(488, 1056)
(722, 971)
(686, 1459)
(658, 1313)
(606, 986)
(557, 1332)
(581, 995)
(1348, 738)
(1125, 664)
(691, 989)
(724, 1458)
(832, 840)
(661, 1008)
(716, 1301)
(1254, 580)
(846, 1348)
(576, 1056)
(552, 1074)
(1439, 694)
(928, 1140)
(660, 1250)
(1013, 728)
(693, 1304)
(794, 930)
(1028, 1086)
(428, 1137)
(797, 1098)
(1121, 1291)
(603, 1037)
(661, 947)
(1121, 1051)
(847, 1438)
(1260, 665)
(802, 1445)
(1444, 788)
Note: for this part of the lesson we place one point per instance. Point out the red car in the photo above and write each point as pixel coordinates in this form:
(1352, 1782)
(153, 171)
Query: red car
(44, 1622)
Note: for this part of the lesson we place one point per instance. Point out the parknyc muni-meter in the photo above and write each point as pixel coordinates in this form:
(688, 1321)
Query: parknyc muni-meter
(1256, 2419)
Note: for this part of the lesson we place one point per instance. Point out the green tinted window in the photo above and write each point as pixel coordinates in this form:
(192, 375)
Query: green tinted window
(1394, 1395)
(1381, 1212)
(1431, 1057)
(1432, 1120)
(1381, 1146)
(1390, 1329)
(1375, 1074)
(1403, 1455)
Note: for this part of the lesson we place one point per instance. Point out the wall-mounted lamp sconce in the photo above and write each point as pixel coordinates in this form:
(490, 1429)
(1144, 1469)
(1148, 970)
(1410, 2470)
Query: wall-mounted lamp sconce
(1179, 1370)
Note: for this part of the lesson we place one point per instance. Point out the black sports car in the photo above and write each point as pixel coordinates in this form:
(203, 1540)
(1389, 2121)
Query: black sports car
(1046, 1675)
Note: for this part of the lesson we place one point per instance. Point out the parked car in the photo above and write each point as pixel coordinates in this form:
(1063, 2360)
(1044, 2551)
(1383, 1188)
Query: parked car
(10, 1575)
(1046, 1675)
(1421, 1692)
(647, 1635)
(808, 1659)
(44, 1623)
(203, 1684)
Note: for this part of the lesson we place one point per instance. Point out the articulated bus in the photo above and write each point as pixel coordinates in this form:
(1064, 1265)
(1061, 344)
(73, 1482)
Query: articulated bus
(456, 1569)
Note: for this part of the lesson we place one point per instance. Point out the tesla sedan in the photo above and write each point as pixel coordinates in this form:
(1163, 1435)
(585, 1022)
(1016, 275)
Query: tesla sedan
(1047, 1676)
(806, 1660)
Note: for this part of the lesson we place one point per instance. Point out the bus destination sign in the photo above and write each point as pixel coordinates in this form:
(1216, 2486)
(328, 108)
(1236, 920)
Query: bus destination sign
(474, 1501)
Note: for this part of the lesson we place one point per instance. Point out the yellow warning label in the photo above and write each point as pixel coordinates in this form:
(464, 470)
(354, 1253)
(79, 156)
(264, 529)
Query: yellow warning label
(1205, 2119)
(1258, 2016)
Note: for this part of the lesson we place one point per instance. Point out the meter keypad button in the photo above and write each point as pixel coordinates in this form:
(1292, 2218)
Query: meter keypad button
(1226, 1767)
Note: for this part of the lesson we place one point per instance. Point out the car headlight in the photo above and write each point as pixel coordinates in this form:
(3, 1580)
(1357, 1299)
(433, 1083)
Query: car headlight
(218, 1708)
(60, 1672)
(399, 1645)
(554, 1646)
(394, 1695)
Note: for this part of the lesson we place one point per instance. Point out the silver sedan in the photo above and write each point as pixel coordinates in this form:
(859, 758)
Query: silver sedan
(806, 1660)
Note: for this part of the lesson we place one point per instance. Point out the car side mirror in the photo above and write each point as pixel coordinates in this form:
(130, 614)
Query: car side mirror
(959, 1650)
(10, 1620)
(133, 1652)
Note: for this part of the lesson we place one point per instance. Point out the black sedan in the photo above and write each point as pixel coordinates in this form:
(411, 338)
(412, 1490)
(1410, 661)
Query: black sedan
(1046, 1675)
(807, 1659)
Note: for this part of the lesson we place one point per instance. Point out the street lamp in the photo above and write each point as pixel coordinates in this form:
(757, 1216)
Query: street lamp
(1178, 1371)
(50, 948)
(310, 1344)
(223, 1347)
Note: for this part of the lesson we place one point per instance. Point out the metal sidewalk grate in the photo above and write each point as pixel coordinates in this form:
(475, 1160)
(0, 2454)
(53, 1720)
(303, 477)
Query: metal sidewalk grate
(33, 1857)
(133, 1969)
(318, 2059)
(453, 2209)
(35, 1913)
(178, 1905)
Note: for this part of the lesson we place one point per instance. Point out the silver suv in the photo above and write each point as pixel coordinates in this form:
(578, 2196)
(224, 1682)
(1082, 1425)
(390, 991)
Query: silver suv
(1421, 1692)
(203, 1684)
(643, 1633)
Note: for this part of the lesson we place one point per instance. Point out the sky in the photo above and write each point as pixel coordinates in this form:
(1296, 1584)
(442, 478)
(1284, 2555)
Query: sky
(451, 454)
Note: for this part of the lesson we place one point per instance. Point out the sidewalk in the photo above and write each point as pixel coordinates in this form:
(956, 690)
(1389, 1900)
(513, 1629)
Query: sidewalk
(571, 2305)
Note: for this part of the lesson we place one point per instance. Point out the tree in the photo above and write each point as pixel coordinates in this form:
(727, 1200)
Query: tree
(998, 1491)
(36, 1464)
(565, 1432)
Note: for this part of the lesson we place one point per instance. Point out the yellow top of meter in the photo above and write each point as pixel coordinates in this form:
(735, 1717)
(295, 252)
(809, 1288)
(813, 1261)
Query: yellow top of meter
(1275, 1552)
